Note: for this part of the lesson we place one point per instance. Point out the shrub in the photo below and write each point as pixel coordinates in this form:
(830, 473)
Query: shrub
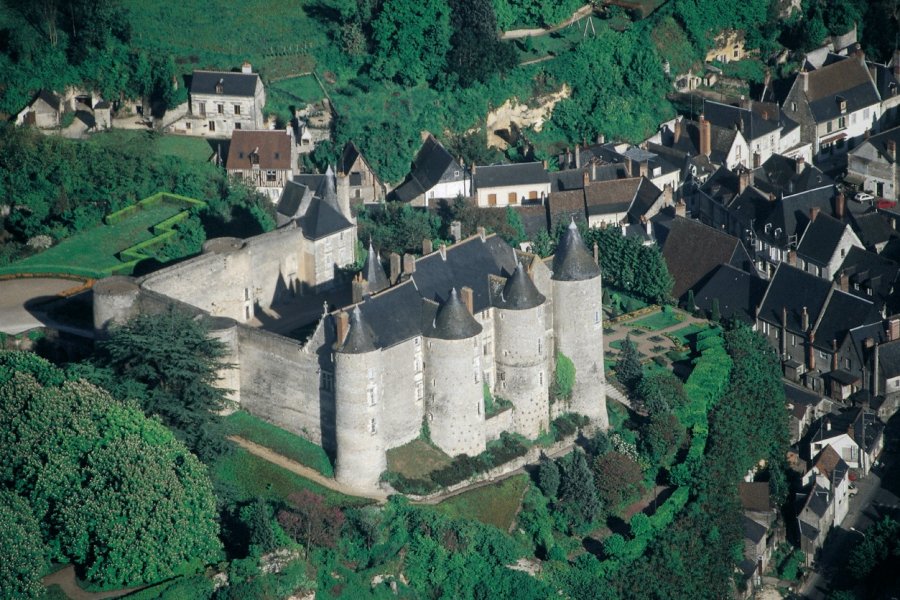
(565, 376)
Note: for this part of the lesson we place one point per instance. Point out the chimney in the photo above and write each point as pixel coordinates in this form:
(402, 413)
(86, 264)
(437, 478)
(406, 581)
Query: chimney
(859, 54)
(681, 209)
(705, 136)
(593, 170)
(465, 293)
(668, 195)
(544, 164)
(792, 258)
(395, 267)
(893, 328)
(827, 424)
(482, 233)
(757, 160)
(804, 320)
(812, 352)
(804, 80)
(644, 168)
(409, 264)
(677, 132)
(844, 281)
(342, 324)
(743, 181)
(585, 179)
(813, 213)
(596, 254)
(840, 206)
(834, 355)
(455, 231)
(568, 158)
(474, 167)
(799, 164)
(877, 370)
(896, 64)
(783, 331)
(247, 68)
(577, 156)
(628, 167)
(771, 197)
(427, 247)
(359, 288)
(892, 150)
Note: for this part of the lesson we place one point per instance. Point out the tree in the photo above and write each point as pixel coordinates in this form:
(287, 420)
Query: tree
(177, 363)
(398, 227)
(258, 517)
(715, 314)
(628, 365)
(23, 559)
(661, 392)
(476, 51)
(548, 477)
(514, 222)
(114, 491)
(616, 476)
(690, 304)
(411, 38)
(577, 494)
(660, 437)
(312, 522)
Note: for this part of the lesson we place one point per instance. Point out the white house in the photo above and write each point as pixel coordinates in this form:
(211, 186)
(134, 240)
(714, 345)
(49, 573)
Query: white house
(824, 245)
(435, 174)
(511, 185)
(223, 101)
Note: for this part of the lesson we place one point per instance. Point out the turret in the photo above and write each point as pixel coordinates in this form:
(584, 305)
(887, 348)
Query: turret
(578, 324)
(358, 377)
(373, 272)
(115, 301)
(521, 340)
(453, 379)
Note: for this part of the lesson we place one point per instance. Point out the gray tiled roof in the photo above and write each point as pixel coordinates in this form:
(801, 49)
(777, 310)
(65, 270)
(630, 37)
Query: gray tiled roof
(233, 84)
(519, 292)
(453, 321)
(359, 338)
(572, 262)
(821, 239)
(513, 174)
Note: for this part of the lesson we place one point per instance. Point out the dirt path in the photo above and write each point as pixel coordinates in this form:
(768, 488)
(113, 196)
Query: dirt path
(65, 579)
(520, 33)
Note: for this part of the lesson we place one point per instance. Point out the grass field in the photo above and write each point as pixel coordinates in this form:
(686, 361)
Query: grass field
(92, 253)
(416, 459)
(495, 504)
(184, 147)
(659, 320)
(250, 477)
(283, 442)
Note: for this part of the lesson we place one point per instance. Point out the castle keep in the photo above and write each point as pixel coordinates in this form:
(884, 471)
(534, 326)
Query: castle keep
(420, 346)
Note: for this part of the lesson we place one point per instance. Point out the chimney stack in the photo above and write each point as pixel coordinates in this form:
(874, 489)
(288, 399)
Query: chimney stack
(705, 136)
(804, 80)
(593, 170)
(409, 264)
(783, 330)
(677, 132)
(427, 247)
(743, 181)
(455, 231)
(359, 288)
(792, 258)
(395, 267)
(585, 178)
(668, 195)
(895, 63)
(799, 164)
(681, 209)
(834, 355)
(577, 156)
(465, 293)
(247, 68)
(844, 281)
(812, 352)
(840, 206)
(813, 213)
(342, 324)
(893, 328)
(804, 319)
(644, 168)
(892, 150)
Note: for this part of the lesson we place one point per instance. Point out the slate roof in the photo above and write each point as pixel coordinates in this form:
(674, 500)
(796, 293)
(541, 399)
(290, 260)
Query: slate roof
(348, 156)
(843, 312)
(534, 219)
(777, 221)
(779, 175)
(831, 465)
(872, 228)
(794, 289)
(848, 79)
(889, 359)
(566, 206)
(272, 146)
(572, 262)
(760, 119)
(739, 293)
(818, 500)
(322, 219)
(360, 337)
(453, 320)
(801, 398)
(879, 142)
(723, 186)
(604, 197)
(432, 164)
(850, 422)
(693, 250)
(233, 84)
(518, 292)
(885, 81)
(755, 496)
(373, 272)
(50, 98)
(646, 196)
(291, 199)
(821, 239)
(753, 531)
(721, 141)
(512, 174)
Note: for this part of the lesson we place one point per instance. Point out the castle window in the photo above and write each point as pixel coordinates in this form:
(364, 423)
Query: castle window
(372, 428)
(370, 396)
(420, 391)
(416, 341)
(326, 381)
(478, 407)
(596, 317)
(371, 374)
(246, 293)
(501, 375)
(487, 349)
(540, 346)
(541, 377)
(416, 365)
(237, 109)
(431, 415)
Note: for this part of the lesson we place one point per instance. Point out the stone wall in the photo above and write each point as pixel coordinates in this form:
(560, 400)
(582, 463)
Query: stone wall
(403, 412)
(455, 396)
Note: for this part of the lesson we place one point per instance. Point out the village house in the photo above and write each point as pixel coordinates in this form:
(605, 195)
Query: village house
(762, 529)
(805, 407)
(511, 184)
(873, 165)
(365, 186)
(825, 502)
(887, 80)
(47, 109)
(222, 102)
(836, 104)
(265, 160)
(623, 201)
(855, 434)
(702, 141)
(824, 245)
(43, 112)
(606, 161)
(435, 175)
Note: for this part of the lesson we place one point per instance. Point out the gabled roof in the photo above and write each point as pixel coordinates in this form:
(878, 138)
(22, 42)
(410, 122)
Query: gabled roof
(291, 199)
(565, 207)
(322, 219)
(508, 175)
(572, 261)
(604, 197)
(753, 531)
(784, 176)
(889, 359)
(821, 239)
(272, 149)
(848, 422)
(755, 496)
(872, 228)
(847, 80)
(843, 312)
(755, 121)
(233, 84)
(737, 291)
(879, 143)
(349, 155)
(693, 250)
(794, 290)
(646, 196)
(831, 465)
(688, 143)
(432, 164)
(818, 501)
(49, 97)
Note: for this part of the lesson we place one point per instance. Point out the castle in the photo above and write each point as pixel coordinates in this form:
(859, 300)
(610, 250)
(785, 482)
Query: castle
(422, 345)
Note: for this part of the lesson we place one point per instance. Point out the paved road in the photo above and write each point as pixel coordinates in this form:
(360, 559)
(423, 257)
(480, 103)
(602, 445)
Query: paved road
(16, 296)
(877, 497)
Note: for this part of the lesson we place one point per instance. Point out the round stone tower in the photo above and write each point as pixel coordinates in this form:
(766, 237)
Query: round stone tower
(358, 373)
(226, 331)
(521, 354)
(454, 390)
(115, 301)
(578, 324)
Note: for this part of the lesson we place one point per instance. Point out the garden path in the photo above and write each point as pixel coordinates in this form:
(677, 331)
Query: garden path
(642, 342)
(520, 33)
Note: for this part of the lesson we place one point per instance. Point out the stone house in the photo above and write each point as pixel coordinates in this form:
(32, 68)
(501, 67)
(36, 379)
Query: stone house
(805, 406)
(762, 530)
(855, 434)
(720, 146)
(510, 185)
(727, 47)
(435, 175)
(622, 201)
(364, 185)
(835, 104)
(265, 160)
(824, 246)
(222, 102)
(887, 80)
(606, 161)
(873, 165)
(832, 473)
(43, 112)
(815, 517)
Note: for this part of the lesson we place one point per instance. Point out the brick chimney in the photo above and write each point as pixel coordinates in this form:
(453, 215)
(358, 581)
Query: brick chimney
(757, 160)
(804, 319)
(799, 164)
(813, 213)
(342, 324)
(246, 68)
(644, 168)
(427, 247)
(395, 267)
(840, 206)
(892, 150)
(804, 80)
(681, 209)
(811, 360)
(482, 233)
(677, 130)
(744, 180)
(585, 179)
(465, 293)
(705, 136)
(893, 328)
(834, 355)
(409, 264)
(844, 281)
(792, 258)
(668, 195)
(359, 288)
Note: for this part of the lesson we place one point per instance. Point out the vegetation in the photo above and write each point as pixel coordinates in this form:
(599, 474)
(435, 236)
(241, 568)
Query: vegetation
(495, 504)
(283, 442)
(564, 378)
(628, 365)
(24, 558)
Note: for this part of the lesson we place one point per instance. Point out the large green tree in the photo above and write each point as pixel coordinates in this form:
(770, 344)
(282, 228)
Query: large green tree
(23, 558)
(476, 51)
(114, 491)
(411, 38)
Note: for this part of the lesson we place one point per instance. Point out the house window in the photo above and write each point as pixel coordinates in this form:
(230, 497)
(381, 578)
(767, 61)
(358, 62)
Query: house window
(326, 381)
(372, 428)
(237, 125)
(420, 391)
(212, 125)
(187, 125)
(270, 175)
(492, 199)
(246, 294)
(221, 109)
(830, 126)
(512, 198)
(417, 341)
(254, 159)
(842, 122)
(237, 109)
(456, 173)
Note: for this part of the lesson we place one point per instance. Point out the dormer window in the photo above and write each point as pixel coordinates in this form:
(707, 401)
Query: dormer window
(778, 232)
(768, 228)
(842, 104)
(220, 86)
(254, 157)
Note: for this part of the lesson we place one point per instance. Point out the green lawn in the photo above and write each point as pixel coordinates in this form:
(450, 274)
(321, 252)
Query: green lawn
(187, 148)
(659, 320)
(283, 442)
(249, 477)
(416, 459)
(495, 504)
(93, 253)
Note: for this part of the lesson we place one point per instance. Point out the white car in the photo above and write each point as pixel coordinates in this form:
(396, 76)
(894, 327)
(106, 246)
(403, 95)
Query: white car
(863, 197)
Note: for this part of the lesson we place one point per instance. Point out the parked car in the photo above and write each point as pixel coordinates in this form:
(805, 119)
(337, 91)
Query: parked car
(863, 197)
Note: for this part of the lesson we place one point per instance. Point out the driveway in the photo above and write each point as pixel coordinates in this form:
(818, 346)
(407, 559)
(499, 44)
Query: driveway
(18, 297)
